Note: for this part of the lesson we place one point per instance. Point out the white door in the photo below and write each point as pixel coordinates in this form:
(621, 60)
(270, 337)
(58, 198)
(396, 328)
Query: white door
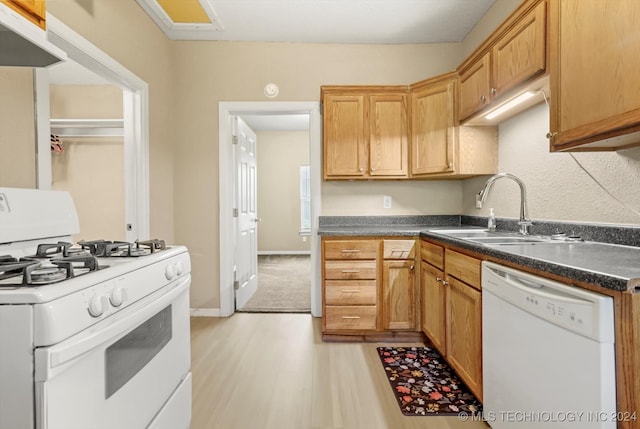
(246, 255)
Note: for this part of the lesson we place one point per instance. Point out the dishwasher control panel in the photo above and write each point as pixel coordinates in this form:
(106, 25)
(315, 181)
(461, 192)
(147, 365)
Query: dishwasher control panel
(570, 307)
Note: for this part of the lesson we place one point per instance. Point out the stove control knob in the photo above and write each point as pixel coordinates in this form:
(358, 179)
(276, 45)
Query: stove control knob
(170, 271)
(96, 306)
(117, 297)
(179, 268)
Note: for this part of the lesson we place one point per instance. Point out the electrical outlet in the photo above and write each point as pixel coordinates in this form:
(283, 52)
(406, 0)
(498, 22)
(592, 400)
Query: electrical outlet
(386, 202)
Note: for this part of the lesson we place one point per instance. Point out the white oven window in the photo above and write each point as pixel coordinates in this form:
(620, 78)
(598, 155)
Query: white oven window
(126, 357)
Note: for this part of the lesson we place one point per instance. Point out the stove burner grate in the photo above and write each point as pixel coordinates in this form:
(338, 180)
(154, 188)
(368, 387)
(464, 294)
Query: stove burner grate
(105, 249)
(35, 273)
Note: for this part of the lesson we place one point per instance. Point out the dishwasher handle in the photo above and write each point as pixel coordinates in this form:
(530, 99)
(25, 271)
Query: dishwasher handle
(540, 289)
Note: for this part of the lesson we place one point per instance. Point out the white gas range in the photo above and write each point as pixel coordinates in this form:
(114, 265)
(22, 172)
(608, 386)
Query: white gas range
(94, 335)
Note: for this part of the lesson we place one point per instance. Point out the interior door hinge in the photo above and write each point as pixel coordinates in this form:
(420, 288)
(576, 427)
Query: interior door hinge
(235, 212)
(234, 140)
(236, 285)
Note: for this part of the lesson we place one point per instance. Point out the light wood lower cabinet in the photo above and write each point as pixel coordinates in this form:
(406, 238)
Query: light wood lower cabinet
(464, 333)
(452, 310)
(369, 284)
(434, 306)
(398, 291)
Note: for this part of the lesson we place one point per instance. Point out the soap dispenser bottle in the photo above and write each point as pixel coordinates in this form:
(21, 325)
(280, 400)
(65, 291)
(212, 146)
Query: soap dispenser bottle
(491, 221)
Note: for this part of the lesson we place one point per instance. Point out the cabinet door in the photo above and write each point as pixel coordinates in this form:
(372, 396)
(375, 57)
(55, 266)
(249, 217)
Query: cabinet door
(433, 306)
(398, 295)
(475, 87)
(595, 90)
(388, 139)
(520, 54)
(464, 333)
(34, 10)
(433, 129)
(344, 136)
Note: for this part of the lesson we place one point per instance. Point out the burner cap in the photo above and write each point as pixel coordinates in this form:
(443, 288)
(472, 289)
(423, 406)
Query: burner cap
(41, 276)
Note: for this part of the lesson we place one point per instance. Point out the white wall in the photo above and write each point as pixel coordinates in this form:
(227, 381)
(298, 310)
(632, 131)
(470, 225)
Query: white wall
(17, 130)
(558, 189)
(409, 197)
(280, 155)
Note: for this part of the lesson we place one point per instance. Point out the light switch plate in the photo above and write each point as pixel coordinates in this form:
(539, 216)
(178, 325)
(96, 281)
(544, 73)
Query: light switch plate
(386, 202)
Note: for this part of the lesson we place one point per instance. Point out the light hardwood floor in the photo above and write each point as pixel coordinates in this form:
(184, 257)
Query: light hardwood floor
(272, 371)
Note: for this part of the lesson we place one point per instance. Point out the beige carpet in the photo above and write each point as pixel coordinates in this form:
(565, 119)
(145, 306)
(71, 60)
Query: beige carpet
(284, 283)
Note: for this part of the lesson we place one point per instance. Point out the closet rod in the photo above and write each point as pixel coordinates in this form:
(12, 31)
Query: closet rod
(87, 127)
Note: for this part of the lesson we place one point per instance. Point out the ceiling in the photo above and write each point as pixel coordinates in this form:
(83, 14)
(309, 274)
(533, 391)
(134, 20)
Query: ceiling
(318, 21)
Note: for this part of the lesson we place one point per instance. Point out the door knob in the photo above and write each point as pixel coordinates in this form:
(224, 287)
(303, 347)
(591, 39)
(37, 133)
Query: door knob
(258, 219)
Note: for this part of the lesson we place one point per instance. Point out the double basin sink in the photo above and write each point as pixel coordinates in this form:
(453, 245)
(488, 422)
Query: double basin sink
(489, 238)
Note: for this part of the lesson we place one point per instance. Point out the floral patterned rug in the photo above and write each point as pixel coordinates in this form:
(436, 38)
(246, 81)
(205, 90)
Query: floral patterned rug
(425, 384)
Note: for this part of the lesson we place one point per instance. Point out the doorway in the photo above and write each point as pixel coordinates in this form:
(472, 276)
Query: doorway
(226, 171)
(283, 212)
(135, 124)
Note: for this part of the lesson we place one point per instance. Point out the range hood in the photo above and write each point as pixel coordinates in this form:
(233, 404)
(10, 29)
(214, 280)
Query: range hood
(23, 44)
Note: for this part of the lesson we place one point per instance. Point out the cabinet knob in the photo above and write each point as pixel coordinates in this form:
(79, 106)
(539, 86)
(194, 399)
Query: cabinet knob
(551, 135)
(493, 91)
(445, 283)
(483, 98)
(438, 279)
(361, 169)
(411, 268)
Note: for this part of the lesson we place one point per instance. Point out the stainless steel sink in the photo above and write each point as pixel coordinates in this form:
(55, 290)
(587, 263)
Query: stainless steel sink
(488, 238)
(506, 240)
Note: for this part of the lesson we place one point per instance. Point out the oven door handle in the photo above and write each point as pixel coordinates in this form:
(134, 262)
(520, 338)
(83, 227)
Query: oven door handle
(51, 360)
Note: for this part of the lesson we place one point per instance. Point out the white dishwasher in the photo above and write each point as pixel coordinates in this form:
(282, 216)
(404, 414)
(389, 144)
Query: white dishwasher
(548, 353)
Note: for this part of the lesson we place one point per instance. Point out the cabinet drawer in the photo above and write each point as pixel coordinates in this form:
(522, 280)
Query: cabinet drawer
(351, 249)
(350, 292)
(350, 317)
(432, 254)
(350, 270)
(463, 267)
(399, 249)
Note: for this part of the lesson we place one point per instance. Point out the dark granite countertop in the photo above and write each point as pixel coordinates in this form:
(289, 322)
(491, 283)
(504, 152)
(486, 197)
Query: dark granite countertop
(609, 265)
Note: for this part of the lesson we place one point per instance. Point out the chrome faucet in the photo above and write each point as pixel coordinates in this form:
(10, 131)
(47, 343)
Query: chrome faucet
(524, 221)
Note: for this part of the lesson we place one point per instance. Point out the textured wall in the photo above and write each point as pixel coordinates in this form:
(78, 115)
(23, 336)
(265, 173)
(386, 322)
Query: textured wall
(91, 169)
(558, 189)
(17, 128)
(280, 155)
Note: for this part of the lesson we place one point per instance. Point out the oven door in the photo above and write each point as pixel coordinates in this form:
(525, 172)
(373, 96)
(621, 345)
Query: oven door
(125, 372)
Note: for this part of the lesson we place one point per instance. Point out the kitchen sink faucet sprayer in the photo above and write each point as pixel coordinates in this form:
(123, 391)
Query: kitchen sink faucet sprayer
(524, 221)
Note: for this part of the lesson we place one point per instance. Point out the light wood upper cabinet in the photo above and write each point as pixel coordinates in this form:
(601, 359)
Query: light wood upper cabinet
(439, 146)
(33, 10)
(521, 53)
(344, 137)
(595, 64)
(388, 137)
(365, 132)
(513, 56)
(475, 86)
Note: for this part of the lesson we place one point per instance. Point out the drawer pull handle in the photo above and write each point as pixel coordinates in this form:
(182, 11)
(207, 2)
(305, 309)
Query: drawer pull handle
(350, 271)
(349, 291)
(350, 317)
(350, 250)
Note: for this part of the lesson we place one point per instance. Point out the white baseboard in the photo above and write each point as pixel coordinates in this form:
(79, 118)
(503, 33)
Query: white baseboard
(205, 312)
(284, 252)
